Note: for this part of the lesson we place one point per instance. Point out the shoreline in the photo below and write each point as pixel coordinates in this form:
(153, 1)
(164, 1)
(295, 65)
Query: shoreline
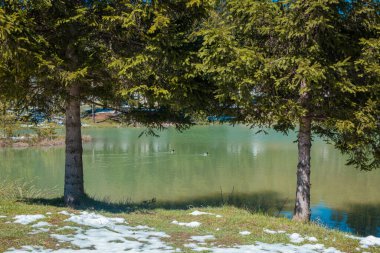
(46, 142)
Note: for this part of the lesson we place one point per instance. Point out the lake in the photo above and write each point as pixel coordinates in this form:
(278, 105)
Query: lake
(248, 170)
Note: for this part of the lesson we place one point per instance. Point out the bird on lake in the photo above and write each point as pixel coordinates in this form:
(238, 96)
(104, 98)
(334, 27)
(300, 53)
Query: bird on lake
(205, 154)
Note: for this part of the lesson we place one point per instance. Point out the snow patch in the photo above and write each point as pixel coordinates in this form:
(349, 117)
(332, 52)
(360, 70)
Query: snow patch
(245, 233)
(366, 242)
(192, 224)
(41, 224)
(197, 213)
(104, 234)
(78, 230)
(202, 238)
(27, 219)
(40, 227)
(297, 238)
(94, 220)
(370, 241)
(268, 231)
(65, 213)
(260, 247)
(196, 247)
(354, 237)
(39, 230)
(312, 239)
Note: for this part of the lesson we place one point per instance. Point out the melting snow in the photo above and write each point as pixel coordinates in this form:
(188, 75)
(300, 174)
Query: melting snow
(64, 213)
(297, 238)
(197, 213)
(192, 224)
(260, 247)
(366, 242)
(202, 238)
(26, 219)
(39, 230)
(105, 235)
(268, 231)
(78, 230)
(370, 241)
(196, 247)
(94, 220)
(245, 233)
(312, 239)
(41, 224)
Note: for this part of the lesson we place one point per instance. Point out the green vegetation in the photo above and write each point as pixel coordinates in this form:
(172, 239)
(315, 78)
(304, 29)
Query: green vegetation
(311, 65)
(59, 54)
(48, 131)
(9, 123)
(300, 64)
(225, 229)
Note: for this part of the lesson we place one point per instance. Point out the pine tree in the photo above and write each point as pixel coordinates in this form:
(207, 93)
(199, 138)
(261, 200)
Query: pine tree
(156, 76)
(70, 52)
(307, 64)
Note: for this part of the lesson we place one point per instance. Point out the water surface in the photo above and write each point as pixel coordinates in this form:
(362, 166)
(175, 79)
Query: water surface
(241, 168)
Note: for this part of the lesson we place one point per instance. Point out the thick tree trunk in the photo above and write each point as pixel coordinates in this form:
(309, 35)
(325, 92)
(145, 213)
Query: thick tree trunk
(302, 207)
(74, 188)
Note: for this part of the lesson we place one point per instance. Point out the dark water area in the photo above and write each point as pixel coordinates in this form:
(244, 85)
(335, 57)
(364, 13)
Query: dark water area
(210, 166)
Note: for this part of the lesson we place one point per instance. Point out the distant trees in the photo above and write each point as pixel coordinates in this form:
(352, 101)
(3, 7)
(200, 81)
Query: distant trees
(307, 64)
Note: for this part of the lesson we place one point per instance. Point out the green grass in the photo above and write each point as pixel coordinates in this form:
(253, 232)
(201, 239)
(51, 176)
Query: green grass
(233, 221)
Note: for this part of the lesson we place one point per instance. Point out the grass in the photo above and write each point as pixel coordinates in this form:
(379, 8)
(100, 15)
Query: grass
(226, 229)
(18, 198)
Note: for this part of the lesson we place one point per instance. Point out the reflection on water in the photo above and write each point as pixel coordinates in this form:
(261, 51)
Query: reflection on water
(257, 172)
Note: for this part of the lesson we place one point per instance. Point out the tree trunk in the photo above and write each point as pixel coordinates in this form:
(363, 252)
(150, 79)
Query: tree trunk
(302, 207)
(74, 188)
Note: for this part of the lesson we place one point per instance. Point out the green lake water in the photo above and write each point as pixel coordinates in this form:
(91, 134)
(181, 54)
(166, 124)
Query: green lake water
(245, 169)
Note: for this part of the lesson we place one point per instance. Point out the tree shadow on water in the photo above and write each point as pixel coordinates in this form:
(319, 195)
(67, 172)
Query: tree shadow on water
(264, 202)
(363, 219)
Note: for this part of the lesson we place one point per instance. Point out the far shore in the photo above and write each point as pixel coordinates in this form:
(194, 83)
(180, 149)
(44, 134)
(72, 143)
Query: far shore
(24, 142)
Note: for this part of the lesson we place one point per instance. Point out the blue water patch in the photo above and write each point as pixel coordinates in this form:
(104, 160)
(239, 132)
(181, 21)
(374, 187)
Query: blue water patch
(351, 222)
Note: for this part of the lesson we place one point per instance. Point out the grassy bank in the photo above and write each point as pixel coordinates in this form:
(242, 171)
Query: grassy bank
(225, 228)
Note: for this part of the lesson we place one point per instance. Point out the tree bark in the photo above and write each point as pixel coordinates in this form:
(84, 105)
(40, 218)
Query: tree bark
(302, 210)
(302, 207)
(74, 189)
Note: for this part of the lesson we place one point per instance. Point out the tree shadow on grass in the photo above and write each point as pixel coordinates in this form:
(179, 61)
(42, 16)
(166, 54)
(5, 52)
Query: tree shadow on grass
(362, 219)
(264, 202)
